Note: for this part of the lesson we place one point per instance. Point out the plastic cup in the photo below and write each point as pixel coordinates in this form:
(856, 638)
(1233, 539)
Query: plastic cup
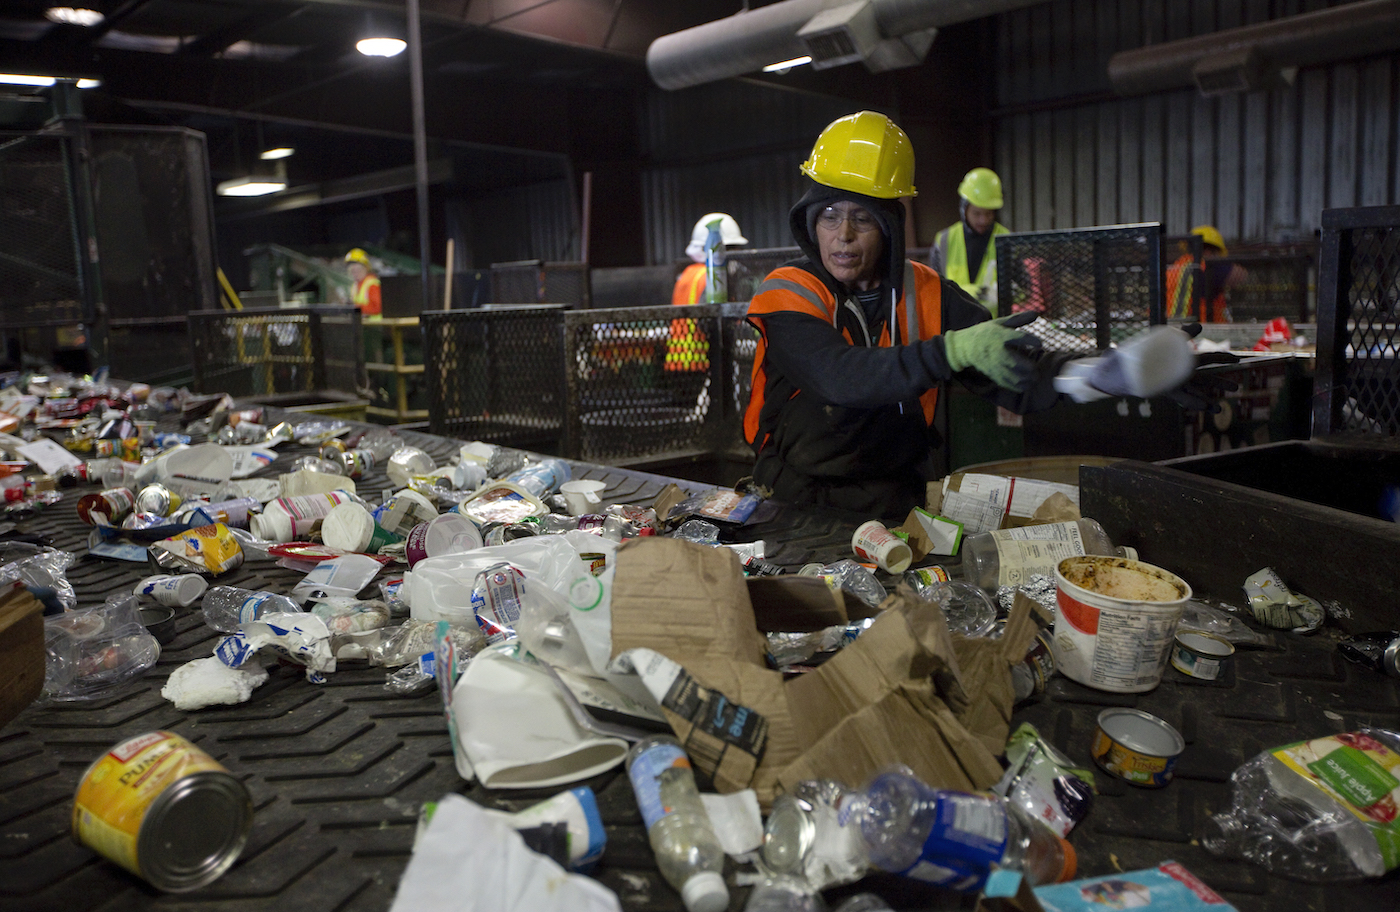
(583, 495)
(173, 591)
(873, 542)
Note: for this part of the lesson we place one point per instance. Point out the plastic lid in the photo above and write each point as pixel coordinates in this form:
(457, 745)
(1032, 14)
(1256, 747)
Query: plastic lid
(705, 892)
(347, 527)
(1071, 863)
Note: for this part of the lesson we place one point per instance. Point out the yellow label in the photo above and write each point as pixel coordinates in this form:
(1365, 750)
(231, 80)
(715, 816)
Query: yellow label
(120, 787)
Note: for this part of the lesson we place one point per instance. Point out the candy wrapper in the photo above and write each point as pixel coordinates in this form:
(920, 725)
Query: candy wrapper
(1044, 782)
(210, 550)
(716, 505)
(1275, 605)
(302, 638)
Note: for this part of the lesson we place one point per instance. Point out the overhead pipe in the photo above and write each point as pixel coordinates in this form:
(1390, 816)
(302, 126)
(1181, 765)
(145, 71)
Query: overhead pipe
(1256, 53)
(748, 41)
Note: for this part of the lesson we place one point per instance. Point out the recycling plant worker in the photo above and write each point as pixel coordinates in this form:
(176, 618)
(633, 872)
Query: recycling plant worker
(855, 339)
(966, 252)
(365, 293)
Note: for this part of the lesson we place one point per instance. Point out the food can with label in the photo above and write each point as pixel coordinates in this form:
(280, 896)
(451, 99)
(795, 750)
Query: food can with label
(1137, 747)
(164, 810)
(1201, 655)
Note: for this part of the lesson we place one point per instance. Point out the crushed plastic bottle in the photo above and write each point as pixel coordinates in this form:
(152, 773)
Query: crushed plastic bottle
(1009, 557)
(851, 577)
(228, 607)
(1325, 810)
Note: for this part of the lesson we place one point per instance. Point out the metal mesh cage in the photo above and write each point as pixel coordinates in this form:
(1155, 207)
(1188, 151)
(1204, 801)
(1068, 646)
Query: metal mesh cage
(1093, 286)
(538, 282)
(748, 267)
(496, 374)
(1358, 323)
(39, 278)
(1273, 285)
(271, 350)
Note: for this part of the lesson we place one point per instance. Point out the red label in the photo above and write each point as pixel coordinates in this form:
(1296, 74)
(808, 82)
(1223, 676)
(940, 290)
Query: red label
(1192, 883)
(1084, 618)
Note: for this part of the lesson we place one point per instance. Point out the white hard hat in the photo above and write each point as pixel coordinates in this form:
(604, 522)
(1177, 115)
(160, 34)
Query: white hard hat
(728, 232)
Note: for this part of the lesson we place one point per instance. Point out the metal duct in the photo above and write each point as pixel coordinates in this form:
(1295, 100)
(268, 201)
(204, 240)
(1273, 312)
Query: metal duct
(749, 41)
(1255, 56)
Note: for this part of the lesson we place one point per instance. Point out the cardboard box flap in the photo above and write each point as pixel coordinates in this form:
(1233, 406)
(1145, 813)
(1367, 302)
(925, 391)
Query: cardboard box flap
(796, 604)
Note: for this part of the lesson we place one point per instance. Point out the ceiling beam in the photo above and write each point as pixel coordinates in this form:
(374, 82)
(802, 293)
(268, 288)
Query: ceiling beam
(220, 40)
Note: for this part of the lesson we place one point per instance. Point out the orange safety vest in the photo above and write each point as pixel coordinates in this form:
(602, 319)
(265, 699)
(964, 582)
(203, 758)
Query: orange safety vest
(687, 349)
(365, 296)
(791, 289)
(1182, 276)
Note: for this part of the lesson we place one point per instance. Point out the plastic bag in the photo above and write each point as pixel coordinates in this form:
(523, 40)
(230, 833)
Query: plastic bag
(416, 677)
(1217, 622)
(39, 569)
(94, 650)
(406, 643)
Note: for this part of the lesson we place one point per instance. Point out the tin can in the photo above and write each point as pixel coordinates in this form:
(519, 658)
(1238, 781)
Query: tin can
(164, 810)
(106, 508)
(1201, 655)
(332, 449)
(1029, 677)
(157, 499)
(1137, 747)
(356, 462)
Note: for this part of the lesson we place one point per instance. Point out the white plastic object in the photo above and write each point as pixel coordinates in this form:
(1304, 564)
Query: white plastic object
(583, 495)
(1149, 364)
(173, 591)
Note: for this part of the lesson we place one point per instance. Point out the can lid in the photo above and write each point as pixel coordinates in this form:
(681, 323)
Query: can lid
(194, 831)
(788, 835)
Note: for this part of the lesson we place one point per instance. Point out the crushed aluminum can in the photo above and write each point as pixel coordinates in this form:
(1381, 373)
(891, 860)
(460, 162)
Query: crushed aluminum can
(157, 499)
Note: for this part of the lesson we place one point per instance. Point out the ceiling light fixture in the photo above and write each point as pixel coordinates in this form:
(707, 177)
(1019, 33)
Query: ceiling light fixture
(68, 15)
(17, 79)
(784, 66)
(381, 47)
(250, 186)
(279, 152)
(89, 83)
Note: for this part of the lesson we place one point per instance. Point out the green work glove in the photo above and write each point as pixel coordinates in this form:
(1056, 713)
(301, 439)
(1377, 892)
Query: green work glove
(996, 350)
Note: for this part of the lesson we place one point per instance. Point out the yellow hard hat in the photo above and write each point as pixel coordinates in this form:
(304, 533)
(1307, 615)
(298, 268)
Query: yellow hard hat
(1211, 235)
(358, 256)
(864, 153)
(982, 188)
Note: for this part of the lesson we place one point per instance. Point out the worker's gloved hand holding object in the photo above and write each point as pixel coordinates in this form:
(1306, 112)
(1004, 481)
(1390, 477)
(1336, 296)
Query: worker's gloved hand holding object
(995, 349)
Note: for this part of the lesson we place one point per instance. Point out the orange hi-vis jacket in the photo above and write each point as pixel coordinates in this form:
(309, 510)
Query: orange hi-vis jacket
(366, 296)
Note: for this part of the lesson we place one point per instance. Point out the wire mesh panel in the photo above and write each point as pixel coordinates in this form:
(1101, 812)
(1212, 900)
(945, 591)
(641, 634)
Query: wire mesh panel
(1358, 323)
(39, 278)
(1093, 286)
(538, 282)
(748, 267)
(496, 374)
(646, 384)
(566, 283)
(272, 350)
(1272, 285)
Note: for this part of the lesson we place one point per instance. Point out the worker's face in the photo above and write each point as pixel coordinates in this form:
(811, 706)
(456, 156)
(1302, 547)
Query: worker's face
(850, 249)
(980, 219)
(358, 271)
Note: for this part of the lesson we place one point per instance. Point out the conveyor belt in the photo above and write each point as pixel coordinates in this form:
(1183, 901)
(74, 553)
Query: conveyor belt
(338, 771)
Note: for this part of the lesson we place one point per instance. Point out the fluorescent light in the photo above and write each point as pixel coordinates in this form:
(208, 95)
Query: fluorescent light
(787, 64)
(250, 186)
(280, 152)
(381, 47)
(89, 83)
(16, 79)
(70, 16)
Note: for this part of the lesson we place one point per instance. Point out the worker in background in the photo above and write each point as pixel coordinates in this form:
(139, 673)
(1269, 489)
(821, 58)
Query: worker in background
(965, 252)
(854, 339)
(687, 349)
(1217, 276)
(365, 293)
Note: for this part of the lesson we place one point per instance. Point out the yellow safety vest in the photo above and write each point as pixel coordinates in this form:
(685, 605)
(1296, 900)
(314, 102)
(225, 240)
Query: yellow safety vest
(954, 248)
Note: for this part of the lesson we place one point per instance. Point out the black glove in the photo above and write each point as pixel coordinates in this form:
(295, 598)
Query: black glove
(1203, 390)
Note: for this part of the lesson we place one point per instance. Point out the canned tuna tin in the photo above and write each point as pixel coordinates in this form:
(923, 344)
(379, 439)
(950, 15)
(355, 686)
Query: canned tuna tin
(1201, 655)
(164, 810)
(1137, 747)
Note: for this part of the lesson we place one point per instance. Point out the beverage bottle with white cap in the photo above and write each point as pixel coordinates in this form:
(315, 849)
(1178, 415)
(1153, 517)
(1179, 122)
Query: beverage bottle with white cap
(953, 839)
(687, 851)
(1008, 557)
(227, 607)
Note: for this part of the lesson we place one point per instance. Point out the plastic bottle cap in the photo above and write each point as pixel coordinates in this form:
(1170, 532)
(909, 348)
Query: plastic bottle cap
(1071, 863)
(1130, 553)
(705, 892)
(348, 527)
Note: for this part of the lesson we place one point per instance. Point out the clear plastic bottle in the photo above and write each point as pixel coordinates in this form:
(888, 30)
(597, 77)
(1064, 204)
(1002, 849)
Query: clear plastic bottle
(952, 839)
(716, 266)
(682, 838)
(1007, 557)
(1323, 810)
(226, 607)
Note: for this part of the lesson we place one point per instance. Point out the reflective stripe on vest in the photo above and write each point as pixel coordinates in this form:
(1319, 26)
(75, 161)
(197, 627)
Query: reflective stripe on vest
(954, 246)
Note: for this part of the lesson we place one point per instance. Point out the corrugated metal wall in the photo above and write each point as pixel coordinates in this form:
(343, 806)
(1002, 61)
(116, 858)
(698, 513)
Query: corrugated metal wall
(1259, 166)
(748, 169)
(534, 221)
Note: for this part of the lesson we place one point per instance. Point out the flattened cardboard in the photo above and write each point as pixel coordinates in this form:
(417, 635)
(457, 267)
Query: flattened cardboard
(899, 694)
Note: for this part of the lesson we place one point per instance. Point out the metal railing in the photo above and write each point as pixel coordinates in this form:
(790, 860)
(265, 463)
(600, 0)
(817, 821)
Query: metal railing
(277, 350)
(539, 282)
(1358, 323)
(1092, 286)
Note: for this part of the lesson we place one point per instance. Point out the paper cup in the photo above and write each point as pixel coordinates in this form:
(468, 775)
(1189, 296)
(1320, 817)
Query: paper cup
(173, 591)
(873, 542)
(1116, 621)
(450, 533)
(582, 496)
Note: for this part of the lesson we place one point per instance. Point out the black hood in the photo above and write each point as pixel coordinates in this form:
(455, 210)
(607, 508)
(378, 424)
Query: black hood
(889, 212)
